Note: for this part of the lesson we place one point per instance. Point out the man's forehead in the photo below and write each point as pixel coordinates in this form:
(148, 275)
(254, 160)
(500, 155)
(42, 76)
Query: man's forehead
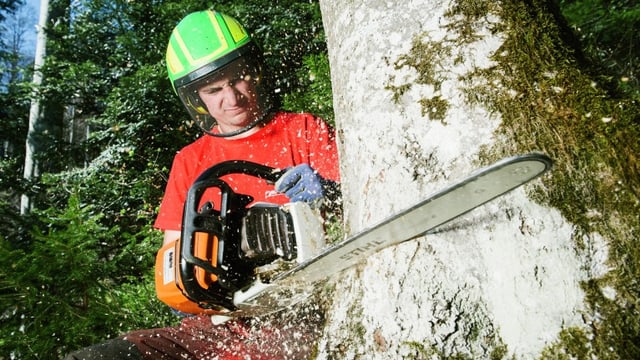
(230, 71)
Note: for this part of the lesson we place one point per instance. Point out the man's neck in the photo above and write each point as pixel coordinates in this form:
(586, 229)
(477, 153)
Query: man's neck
(244, 134)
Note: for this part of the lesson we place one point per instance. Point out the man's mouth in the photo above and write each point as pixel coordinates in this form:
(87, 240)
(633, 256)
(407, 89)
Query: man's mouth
(235, 110)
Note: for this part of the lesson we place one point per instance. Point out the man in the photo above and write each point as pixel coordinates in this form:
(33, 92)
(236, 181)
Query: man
(216, 70)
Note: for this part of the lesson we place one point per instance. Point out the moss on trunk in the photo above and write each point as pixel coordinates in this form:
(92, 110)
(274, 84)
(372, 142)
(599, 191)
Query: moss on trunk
(551, 100)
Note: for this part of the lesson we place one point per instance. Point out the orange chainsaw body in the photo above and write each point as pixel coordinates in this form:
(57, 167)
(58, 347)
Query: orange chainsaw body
(168, 283)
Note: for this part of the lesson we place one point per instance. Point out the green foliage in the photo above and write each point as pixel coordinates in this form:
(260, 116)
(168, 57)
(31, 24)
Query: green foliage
(65, 288)
(315, 93)
(609, 31)
(14, 110)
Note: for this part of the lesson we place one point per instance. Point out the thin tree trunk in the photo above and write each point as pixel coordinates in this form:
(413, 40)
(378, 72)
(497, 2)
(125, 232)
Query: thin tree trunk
(35, 115)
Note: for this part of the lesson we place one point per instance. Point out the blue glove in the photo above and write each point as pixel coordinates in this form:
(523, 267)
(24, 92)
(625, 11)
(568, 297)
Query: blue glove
(301, 183)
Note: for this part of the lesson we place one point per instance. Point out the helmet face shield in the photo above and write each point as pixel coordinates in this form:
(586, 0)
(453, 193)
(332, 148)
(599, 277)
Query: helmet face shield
(239, 70)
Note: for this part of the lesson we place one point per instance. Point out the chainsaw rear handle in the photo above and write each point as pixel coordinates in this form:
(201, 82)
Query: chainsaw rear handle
(215, 223)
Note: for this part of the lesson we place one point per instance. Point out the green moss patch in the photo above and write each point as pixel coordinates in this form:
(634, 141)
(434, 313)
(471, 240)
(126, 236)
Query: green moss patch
(425, 57)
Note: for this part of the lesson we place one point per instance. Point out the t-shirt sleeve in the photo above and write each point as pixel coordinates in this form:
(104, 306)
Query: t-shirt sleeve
(170, 213)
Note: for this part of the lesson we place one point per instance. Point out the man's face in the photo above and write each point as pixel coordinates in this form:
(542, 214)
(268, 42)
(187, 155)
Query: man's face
(231, 99)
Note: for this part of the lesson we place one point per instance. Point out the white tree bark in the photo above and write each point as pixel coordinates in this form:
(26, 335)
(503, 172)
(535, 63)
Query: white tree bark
(30, 163)
(502, 279)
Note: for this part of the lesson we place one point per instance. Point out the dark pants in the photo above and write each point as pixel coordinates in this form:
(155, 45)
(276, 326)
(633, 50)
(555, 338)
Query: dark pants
(115, 349)
(198, 338)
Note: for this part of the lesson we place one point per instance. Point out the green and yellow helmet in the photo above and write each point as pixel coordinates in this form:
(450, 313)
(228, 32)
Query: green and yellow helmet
(201, 46)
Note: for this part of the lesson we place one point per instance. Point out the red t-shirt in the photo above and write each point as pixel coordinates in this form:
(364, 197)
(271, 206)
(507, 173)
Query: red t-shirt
(289, 139)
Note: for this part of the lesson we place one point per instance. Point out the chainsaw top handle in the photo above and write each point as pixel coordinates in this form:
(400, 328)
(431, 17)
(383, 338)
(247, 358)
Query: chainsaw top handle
(267, 173)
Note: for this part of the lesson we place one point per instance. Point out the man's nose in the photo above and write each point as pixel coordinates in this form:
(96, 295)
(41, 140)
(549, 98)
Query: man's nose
(230, 93)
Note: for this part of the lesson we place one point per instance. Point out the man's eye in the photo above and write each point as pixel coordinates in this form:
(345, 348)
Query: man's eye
(212, 90)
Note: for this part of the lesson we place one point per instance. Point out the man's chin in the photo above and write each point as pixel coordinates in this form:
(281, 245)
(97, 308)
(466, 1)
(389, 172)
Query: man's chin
(235, 126)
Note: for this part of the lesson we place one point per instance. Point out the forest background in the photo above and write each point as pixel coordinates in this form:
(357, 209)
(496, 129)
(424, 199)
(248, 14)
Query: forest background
(78, 267)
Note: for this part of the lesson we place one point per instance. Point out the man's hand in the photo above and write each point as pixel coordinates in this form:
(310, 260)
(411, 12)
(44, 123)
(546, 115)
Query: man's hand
(301, 183)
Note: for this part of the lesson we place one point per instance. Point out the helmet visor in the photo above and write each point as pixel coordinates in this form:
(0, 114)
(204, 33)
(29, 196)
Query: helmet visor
(238, 70)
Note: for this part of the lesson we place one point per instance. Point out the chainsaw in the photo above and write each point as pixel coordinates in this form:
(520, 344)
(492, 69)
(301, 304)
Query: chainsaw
(244, 260)
(223, 250)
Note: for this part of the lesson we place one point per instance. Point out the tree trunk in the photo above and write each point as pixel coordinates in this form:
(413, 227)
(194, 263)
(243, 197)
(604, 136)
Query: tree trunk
(423, 95)
(35, 113)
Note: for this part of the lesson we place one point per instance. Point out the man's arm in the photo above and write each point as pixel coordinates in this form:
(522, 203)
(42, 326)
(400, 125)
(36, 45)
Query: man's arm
(170, 235)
